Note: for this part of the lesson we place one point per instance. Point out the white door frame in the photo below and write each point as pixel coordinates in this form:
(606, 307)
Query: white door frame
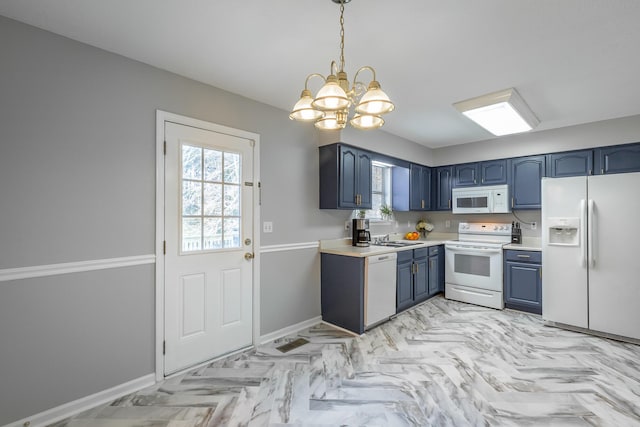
(161, 118)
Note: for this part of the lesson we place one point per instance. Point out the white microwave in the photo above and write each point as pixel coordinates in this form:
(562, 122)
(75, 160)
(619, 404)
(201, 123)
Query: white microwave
(489, 199)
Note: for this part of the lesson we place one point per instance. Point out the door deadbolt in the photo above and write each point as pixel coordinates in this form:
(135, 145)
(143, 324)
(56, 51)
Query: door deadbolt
(248, 256)
(247, 242)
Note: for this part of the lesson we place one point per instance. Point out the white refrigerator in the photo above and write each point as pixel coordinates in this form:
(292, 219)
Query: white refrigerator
(590, 238)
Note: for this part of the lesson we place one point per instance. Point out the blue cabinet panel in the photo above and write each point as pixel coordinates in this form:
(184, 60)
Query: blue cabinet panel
(400, 189)
(342, 291)
(573, 163)
(348, 178)
(443, 184)
(525, 181)
(345, 177)
(523, 281)
(420, 189)
(466, 175)
(618, 159)
(404, 282)
(421, 279)
(493, 172)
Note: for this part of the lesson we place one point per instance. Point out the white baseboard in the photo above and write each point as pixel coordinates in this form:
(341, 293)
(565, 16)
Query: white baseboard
(72, 408)
(272, 336)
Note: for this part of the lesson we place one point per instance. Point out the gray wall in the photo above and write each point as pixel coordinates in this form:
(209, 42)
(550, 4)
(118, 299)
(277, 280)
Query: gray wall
(607, 132)
(77, 182)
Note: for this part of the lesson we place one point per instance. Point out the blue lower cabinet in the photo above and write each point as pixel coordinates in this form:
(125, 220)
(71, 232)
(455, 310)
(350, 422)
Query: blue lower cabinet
(523, 281)
(342, 291)
(404, 280)
(420, 275)
(436, 269)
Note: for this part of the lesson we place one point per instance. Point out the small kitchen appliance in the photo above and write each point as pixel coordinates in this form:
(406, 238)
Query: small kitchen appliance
(516, 233)
(360, 233)
(487, 199)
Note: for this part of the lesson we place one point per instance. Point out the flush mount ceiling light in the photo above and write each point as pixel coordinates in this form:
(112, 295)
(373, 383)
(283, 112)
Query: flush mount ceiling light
(330, 108)
(501, 113)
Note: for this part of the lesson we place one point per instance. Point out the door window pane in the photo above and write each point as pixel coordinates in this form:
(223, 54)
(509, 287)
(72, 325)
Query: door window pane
(212, 165)
(210, 199)
(232, 168)
(191, 197)
(191, 162)
(191, 234)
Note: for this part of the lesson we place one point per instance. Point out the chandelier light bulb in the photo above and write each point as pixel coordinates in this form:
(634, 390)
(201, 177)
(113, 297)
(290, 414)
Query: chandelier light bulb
(329, 122)
(366, 122)
(331, 97)
(303, 110)
(374, 101)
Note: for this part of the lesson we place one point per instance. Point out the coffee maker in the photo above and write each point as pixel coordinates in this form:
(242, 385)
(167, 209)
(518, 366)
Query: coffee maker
(360, 233)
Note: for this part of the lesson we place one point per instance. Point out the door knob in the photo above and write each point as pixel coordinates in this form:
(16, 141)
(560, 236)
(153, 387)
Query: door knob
(248, 256)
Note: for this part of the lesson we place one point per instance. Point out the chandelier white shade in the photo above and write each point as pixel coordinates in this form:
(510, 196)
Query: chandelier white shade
(330, 108)
(501, 113)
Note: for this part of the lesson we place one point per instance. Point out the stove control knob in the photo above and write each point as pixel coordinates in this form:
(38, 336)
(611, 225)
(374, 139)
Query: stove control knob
(495, 227)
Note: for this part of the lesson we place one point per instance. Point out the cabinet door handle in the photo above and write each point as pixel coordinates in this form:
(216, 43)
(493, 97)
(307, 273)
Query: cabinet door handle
(449, 203)
(524, 256)
(512, 202)
(422, 204)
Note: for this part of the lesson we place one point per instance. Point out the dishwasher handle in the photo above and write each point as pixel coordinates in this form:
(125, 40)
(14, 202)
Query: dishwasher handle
(383, 258)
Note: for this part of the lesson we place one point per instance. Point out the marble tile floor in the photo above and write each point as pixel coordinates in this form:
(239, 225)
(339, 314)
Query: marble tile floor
(441, 363)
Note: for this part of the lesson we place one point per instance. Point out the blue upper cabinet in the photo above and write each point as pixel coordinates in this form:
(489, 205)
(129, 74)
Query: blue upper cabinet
(493, 172)
(525, 181)
(572, 163)
(443, 183)
(618, 159)
(420, 188)
(466, 175)
(345, 177)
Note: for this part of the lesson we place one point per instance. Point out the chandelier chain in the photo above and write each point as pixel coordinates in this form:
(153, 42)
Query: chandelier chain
(342, 36)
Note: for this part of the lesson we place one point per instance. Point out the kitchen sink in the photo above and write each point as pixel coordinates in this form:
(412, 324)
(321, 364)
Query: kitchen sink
(396, 244)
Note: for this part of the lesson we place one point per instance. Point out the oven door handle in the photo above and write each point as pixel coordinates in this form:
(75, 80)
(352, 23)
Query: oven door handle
(456, 248)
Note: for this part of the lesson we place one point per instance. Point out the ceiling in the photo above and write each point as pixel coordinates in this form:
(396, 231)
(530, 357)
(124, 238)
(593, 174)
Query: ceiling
(573, 61)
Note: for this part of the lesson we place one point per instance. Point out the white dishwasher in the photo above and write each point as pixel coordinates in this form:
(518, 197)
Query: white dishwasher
(379, 288)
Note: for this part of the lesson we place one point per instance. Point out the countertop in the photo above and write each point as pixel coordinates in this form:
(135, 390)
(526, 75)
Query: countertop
(528, 244)
(343, 247)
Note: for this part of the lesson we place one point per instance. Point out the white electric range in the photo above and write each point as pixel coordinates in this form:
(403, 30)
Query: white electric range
(473, 264)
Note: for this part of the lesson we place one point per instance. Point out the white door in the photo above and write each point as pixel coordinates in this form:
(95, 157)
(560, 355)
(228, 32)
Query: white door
(614, 284)
(208, 232)
(564, 267)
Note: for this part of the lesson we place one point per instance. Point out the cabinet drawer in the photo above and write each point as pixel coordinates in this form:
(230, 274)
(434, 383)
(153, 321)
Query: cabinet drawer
(421, 253)
(534, 257)
(435, 250)
(405, 256)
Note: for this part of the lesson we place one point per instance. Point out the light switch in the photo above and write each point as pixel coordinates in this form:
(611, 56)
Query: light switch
(267, 227)
(447, 223)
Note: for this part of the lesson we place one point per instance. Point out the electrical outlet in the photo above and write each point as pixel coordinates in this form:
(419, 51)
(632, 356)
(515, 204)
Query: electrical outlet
(267, 227)
(534, 225)
(347, 225)
(447, 223)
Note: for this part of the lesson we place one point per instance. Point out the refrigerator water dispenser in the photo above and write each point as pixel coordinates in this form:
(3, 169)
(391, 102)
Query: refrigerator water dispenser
(564, 231)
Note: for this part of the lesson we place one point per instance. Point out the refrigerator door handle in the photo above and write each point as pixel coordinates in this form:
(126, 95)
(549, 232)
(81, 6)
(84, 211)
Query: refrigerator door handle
(583, 231)
(592, 256)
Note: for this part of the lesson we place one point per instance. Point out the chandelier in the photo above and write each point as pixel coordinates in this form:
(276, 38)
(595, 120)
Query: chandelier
(330, 109)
